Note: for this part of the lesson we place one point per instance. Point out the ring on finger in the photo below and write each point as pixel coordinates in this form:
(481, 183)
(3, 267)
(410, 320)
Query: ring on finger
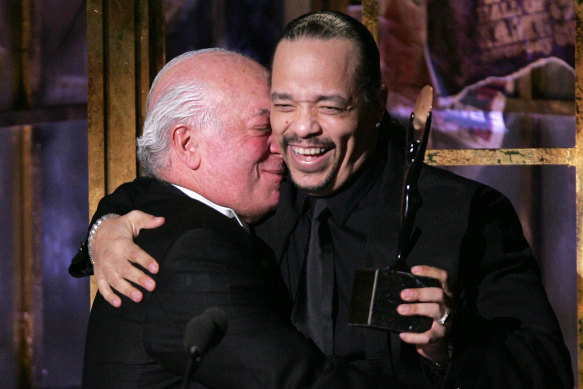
(443, 319)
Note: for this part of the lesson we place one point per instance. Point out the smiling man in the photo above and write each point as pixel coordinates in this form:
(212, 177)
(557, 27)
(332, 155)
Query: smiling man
(311, 96)
(492, 324)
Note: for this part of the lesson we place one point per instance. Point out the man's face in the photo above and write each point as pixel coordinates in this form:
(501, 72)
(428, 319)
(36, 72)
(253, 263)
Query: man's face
(320, 121)
(244, 168)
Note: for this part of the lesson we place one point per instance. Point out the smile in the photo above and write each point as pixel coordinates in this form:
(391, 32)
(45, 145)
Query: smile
(309, 160)
(309, 151)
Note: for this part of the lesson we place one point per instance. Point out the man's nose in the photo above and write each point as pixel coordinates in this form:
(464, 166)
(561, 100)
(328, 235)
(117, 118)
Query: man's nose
(306, 123)
(273, 145)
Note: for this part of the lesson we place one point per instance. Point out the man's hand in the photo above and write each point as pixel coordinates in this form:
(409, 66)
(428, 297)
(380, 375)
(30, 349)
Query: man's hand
(114, 252)
(432, 302)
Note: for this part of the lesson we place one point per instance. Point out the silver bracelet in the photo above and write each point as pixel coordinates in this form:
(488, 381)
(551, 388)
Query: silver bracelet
(92, 233)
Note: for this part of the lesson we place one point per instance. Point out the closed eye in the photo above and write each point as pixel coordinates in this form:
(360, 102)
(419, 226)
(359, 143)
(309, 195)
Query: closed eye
(282, 107)
(262, 130)
(332, 109)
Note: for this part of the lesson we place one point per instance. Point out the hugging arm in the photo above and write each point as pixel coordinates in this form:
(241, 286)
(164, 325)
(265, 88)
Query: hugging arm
(114, 250)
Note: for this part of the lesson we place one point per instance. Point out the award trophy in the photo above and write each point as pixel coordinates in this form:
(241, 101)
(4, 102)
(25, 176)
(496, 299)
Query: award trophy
(376, 292)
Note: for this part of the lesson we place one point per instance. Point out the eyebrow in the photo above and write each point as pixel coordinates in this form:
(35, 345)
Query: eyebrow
(260, 116)
(335, 98)
(280, 96)
(262, 112)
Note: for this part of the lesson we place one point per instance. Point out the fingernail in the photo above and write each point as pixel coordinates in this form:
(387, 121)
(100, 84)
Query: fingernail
(403, 308)
(150, 285)
(406, 294)
(136, 296)
(153, 268)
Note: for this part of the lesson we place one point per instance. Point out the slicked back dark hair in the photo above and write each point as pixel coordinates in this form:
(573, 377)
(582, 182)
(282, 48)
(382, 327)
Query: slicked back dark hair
(330, 24)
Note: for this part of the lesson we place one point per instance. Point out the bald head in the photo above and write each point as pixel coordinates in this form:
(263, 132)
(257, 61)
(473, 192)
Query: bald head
(194, 89)
(217, 67)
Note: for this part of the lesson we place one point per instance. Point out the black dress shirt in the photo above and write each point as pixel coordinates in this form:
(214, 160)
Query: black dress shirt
(352, 208)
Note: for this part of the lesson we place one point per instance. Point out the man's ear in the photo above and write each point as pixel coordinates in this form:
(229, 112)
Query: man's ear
(185, 144)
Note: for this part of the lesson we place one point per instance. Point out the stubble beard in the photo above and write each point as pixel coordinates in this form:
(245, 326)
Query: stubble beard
(320, 188)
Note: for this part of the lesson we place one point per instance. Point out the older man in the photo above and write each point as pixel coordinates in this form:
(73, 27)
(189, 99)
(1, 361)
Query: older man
(207, 149)
(493, 326)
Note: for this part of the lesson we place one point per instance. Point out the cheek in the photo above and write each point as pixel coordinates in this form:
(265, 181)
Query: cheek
(279, 123)
(270, 193)
(341, 131)
(253, 152)
(349, 145)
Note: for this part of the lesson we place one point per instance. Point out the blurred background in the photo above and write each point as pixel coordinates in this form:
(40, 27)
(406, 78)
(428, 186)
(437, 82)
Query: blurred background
(503, 72)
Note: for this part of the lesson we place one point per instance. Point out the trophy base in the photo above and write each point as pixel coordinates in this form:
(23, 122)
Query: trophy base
(376, 295)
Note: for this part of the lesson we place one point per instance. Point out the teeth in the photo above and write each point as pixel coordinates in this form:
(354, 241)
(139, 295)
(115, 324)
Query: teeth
(308, 151)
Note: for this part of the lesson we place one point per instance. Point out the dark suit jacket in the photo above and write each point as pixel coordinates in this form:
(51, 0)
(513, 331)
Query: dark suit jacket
(505, 333)
(206, 260)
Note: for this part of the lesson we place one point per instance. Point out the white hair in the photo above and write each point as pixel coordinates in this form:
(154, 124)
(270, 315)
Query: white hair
(184, 103)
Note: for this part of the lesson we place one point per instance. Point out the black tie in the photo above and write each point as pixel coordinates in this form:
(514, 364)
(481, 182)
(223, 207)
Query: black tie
(319, 288)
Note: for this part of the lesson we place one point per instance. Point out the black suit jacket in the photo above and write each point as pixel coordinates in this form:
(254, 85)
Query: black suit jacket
(505, 333)
(206, 260)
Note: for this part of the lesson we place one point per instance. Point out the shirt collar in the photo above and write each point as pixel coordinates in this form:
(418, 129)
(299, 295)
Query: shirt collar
(228, 212)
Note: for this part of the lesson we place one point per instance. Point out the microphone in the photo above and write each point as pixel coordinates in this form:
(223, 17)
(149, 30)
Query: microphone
(203, 332)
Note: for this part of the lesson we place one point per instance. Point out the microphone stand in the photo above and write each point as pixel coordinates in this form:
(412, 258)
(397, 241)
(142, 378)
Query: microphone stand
(194, 358)
(202, 333)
